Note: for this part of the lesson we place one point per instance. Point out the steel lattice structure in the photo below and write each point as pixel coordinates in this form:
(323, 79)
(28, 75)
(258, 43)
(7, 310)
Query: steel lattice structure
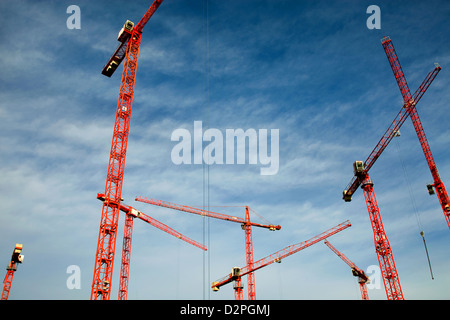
(245, 223)
(238, 273)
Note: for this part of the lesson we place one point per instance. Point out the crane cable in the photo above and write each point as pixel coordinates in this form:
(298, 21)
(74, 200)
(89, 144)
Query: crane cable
(416, 212)
(426, 250)
(206, 226)
(260, 216)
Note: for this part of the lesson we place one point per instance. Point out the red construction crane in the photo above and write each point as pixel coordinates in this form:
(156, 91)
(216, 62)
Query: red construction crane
(246, 225)
(16, 258)
(237, 273)
(132, 213)
(128, 50)
(410, 106)
(382, 245)
(361, 172)
(357, 272)
(390, 134)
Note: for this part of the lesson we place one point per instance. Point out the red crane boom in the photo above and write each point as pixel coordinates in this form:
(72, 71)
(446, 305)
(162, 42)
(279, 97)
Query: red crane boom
(132, 213)
(237, 273)
(357, 272)
(104, 259)
(410, 105)
(246, 225)
(16, 258)
(390, 134)
(203, 212)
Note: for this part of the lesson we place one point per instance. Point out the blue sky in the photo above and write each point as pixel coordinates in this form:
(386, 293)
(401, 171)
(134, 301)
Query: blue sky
(311, 69)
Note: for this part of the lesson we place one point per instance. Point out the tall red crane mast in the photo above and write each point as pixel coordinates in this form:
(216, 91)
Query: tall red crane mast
(237, 273)
(382, 246)
(130, 38)
(410, 106)
(357, 272)
(16, 258)
(245, 223)
(132, 213)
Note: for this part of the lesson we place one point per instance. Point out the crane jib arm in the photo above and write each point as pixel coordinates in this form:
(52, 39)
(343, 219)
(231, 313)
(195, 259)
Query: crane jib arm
(279, 255)
(155, 5)
(357, 272)
(118, 56)
(152, 221)
(391, 131)
(203, 212)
